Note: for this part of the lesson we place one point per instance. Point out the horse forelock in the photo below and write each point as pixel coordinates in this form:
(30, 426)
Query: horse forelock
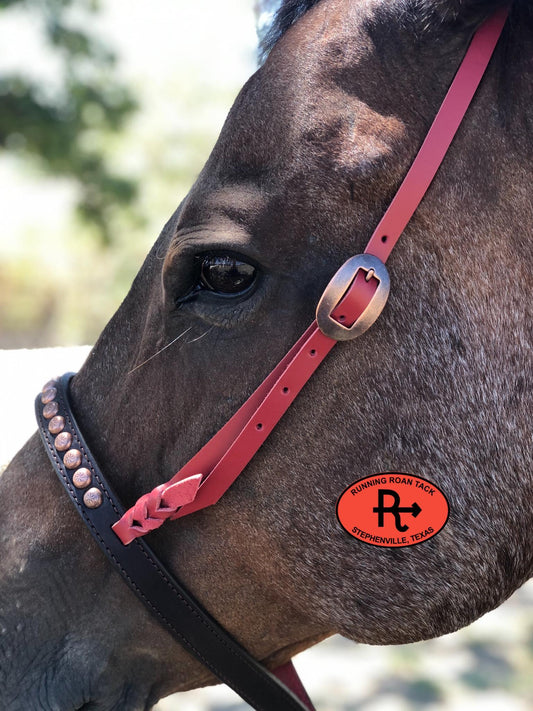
(286, 15)
(435, 27)
(429, 16)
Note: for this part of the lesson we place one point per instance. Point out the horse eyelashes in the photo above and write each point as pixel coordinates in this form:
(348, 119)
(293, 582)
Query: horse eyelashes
(223, 275)
(226, 274)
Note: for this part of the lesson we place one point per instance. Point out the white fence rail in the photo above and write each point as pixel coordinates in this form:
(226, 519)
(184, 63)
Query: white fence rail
(22, 374)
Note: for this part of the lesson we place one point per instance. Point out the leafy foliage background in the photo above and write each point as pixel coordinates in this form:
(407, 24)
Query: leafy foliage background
(51, 124)
(109, 108)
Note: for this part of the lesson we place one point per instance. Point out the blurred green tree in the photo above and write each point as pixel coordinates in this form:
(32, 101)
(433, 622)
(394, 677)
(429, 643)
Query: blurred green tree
(63, 129)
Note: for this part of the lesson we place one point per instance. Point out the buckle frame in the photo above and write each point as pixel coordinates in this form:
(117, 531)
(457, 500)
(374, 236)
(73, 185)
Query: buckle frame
(337, 288)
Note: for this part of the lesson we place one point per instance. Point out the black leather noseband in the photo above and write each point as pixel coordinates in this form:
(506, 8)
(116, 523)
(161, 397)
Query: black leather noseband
(164, 596)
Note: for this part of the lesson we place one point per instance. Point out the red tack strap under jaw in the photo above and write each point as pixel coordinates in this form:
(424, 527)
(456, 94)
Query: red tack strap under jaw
(288, 675)
(223, 458)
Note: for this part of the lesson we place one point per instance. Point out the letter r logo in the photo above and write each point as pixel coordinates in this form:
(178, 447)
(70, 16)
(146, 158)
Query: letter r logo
(395, 509)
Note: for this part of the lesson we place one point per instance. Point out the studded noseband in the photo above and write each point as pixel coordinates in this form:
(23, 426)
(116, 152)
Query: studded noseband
(351, 303)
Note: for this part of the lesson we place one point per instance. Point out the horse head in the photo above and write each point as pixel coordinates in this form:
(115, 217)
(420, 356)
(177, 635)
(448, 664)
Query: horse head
(308, 160)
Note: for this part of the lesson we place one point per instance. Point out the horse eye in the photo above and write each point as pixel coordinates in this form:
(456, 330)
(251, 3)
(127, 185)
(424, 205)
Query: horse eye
(226, 275)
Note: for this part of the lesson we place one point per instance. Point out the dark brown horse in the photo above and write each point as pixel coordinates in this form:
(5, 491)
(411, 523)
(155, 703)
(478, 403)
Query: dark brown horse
(312, 152)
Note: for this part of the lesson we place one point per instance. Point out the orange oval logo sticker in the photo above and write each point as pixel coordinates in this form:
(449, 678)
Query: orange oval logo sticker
(392, 510)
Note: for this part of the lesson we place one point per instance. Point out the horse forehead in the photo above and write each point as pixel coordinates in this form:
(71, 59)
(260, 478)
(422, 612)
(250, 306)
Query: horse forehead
(319, 94)
(296, 124)
(331, 34)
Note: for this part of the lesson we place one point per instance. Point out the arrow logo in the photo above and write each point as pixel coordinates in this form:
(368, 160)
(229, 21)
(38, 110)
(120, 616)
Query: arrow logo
(395, 509)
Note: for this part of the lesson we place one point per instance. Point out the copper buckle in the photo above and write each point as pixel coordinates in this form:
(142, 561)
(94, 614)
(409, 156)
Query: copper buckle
(337, 288)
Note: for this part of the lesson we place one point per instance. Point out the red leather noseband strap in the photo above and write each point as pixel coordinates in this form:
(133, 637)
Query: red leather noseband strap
(224, 457)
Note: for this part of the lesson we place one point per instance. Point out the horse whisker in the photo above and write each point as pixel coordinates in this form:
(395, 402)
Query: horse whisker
(160, 351)
(200, 337)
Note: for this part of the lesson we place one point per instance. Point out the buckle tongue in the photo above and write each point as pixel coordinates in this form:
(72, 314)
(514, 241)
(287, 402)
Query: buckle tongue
(339, 286)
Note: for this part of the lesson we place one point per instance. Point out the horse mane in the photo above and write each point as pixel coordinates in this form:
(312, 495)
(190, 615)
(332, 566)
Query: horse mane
(426, 14)
(287, 14)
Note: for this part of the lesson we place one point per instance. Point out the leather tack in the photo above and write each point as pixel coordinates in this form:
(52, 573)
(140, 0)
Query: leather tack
(50, 384)
(50, 410)
(63, 441)
(48, 395)
(81, 478)
(56, 424)
(176, 609)
(92, 498)
(72, 459)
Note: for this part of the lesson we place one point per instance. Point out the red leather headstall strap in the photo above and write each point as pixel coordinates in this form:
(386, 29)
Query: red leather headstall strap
(353, 309)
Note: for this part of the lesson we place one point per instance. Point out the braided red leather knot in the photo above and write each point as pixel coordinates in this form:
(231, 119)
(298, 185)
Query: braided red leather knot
(153, 509)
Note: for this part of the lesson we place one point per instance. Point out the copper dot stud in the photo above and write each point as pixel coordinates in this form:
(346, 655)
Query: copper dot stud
(81, 478)
(92, 498)
(50, 384)
(48, 395)
(56, 424)
(72, 459)
(63, 441)
(50, 410)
